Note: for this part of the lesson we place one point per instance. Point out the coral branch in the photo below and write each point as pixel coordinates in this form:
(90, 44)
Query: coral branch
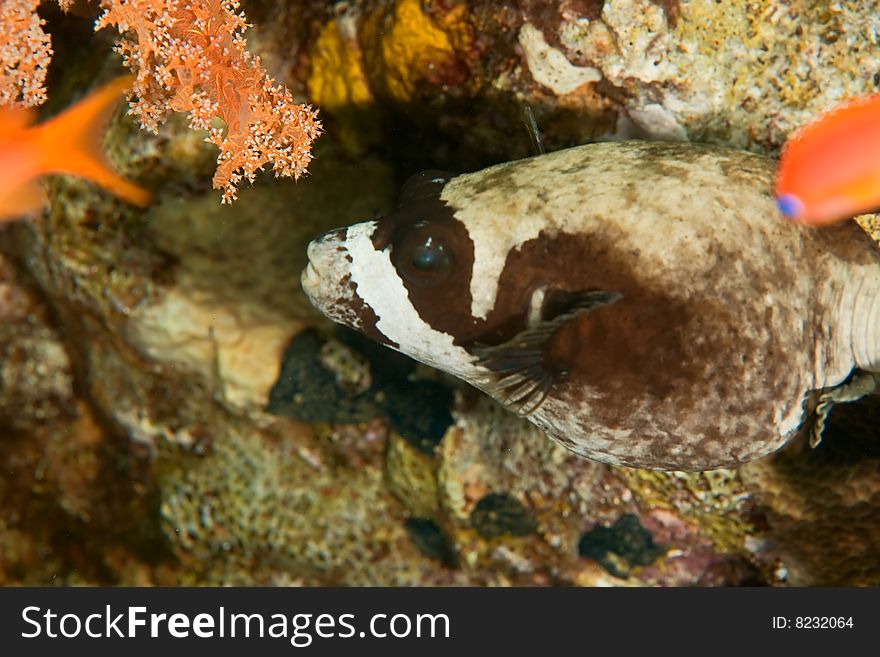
(191, 57)
(25, 51)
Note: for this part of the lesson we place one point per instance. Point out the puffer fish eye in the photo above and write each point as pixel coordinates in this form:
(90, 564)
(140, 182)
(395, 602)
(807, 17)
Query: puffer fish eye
(430, 256)
(423, 257)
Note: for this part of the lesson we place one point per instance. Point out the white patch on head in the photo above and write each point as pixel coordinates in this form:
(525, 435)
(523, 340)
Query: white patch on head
(381, 288)
(493, 238)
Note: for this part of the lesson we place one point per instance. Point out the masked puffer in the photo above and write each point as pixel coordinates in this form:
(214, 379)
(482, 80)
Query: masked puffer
(645, 304)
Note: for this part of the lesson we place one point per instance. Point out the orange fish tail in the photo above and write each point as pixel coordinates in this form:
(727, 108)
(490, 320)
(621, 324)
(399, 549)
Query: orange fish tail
(15, 119)
(71, 143)
(21, 201)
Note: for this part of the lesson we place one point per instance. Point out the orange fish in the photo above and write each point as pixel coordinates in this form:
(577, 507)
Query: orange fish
(68, 143)
(830, 169)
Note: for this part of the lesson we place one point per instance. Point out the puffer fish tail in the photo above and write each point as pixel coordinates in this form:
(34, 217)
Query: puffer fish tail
(71, 143)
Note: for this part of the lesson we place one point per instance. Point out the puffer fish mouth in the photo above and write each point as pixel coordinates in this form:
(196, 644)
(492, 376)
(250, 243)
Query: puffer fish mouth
(319, 253)
(310, 277)
(324, 279)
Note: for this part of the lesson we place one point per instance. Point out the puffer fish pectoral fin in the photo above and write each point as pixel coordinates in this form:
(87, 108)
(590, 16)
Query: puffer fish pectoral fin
(859, 385)
(523, 379)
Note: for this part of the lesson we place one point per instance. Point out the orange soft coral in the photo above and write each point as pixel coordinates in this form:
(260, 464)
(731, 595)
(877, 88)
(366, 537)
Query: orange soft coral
(191, 57)
(25, 51)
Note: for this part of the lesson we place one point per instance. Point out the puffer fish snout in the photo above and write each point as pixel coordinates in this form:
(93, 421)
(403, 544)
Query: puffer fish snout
(320, 253)
(324, 278)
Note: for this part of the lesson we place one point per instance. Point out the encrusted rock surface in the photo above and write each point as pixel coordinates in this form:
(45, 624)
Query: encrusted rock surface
(174, 412)
(741, 74)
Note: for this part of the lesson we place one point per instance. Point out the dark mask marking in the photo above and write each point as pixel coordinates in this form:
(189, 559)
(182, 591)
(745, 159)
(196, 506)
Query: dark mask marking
(366, 316)
(368, 324)
(431, 251)
(422, 191)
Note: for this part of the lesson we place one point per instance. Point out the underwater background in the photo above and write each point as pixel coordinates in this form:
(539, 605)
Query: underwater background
(174, 412)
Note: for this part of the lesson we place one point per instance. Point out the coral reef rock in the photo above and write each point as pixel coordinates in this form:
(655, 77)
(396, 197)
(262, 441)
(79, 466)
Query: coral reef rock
(175, 412)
